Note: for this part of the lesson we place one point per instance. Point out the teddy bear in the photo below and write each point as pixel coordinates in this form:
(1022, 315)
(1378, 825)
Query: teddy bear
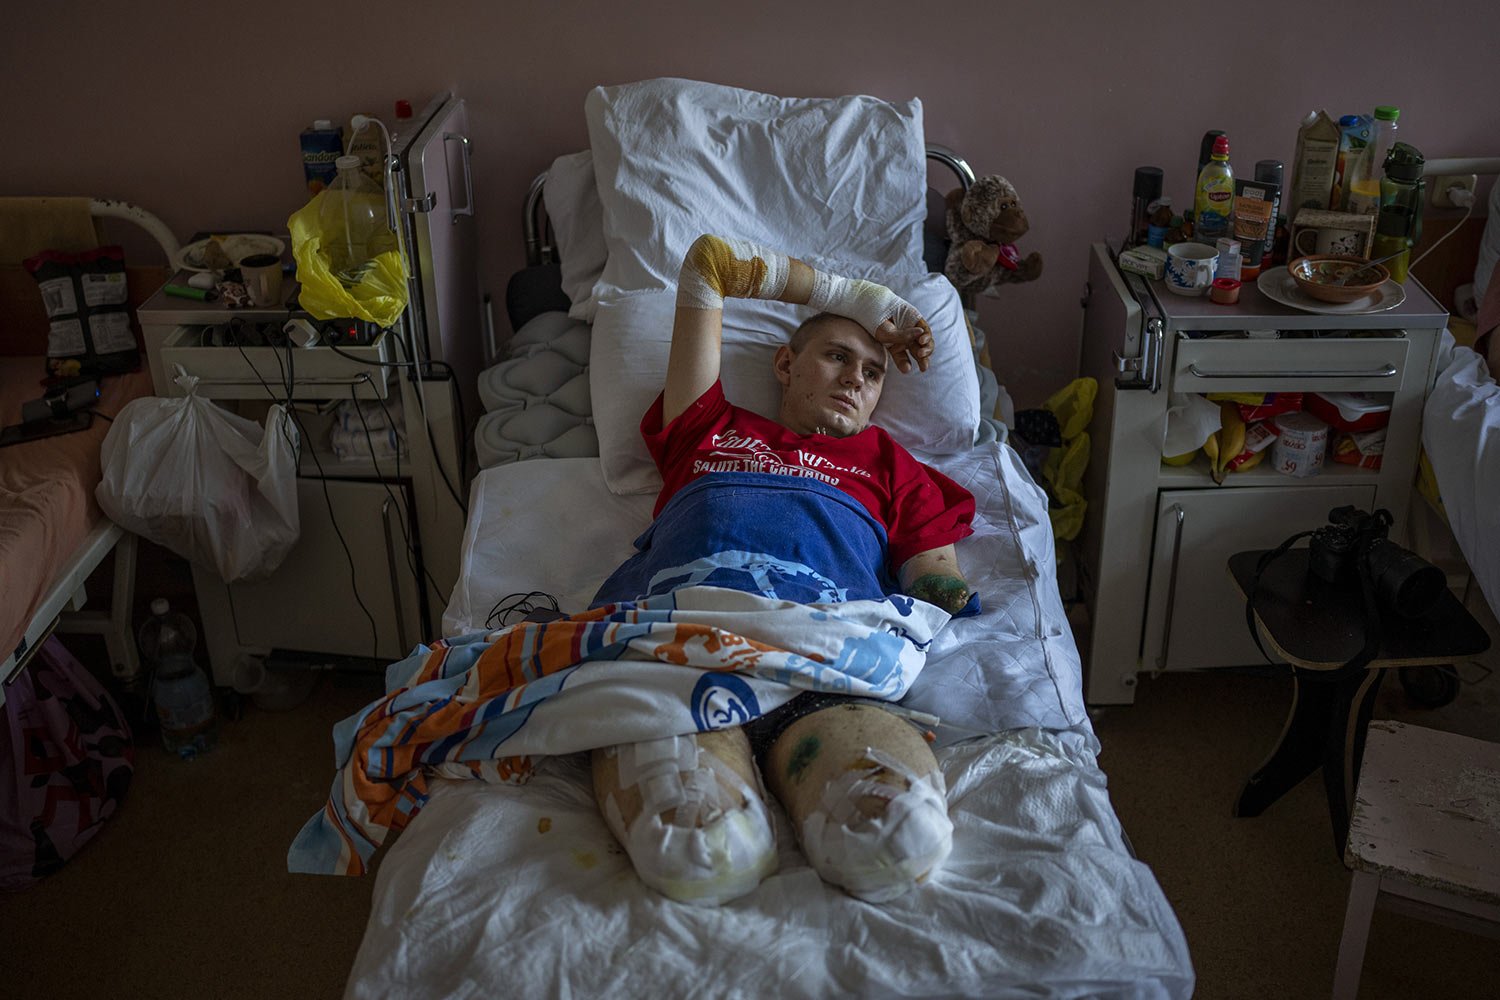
(983, 226)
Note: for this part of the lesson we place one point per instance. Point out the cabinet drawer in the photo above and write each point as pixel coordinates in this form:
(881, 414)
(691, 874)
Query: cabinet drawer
(247, 373)
(1369, 364)
(1199, 621)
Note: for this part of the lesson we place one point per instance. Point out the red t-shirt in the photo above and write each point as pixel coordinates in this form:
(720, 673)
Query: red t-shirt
(920, 507)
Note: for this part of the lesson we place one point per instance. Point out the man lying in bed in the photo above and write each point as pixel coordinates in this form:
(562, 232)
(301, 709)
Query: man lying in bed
(861, 788)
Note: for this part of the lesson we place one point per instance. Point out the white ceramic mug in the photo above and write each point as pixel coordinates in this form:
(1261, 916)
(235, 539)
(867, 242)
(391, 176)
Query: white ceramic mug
(1323, 240)
(261, 274)
(1191, 267)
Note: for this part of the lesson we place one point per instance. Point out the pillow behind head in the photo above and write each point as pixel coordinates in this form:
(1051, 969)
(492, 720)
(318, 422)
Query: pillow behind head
(838, 182)
(934, 412)
(577, 219)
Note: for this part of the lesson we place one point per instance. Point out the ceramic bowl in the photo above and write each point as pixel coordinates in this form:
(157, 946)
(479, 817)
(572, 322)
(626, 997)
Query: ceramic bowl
(1315, 276)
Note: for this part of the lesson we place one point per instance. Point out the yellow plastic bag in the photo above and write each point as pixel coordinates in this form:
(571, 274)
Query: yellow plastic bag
(380, 295)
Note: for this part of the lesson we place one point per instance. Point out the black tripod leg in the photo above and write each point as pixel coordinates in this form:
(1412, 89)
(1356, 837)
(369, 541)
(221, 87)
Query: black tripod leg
(1345, 748)
(1300, 748)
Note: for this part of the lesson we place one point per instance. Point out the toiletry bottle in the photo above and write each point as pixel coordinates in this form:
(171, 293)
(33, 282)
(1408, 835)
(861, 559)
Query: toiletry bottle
(1214, 197)
(1363, 187)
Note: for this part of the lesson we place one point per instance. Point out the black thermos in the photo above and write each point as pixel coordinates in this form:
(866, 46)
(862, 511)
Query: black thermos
(1148, 181)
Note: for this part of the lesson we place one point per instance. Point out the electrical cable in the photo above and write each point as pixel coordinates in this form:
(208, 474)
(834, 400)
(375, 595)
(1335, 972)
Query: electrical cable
(1456, 226)
(432, 441)
(370, 440)
(288, 372)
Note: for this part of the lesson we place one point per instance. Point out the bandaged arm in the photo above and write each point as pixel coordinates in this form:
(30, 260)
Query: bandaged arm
(717, 268)
(934, 576)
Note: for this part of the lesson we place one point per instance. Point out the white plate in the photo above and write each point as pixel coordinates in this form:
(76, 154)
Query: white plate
(237, 246)
(1278, 285)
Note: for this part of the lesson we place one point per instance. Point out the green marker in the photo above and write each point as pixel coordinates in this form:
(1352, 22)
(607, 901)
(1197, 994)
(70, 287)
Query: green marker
(188, 292)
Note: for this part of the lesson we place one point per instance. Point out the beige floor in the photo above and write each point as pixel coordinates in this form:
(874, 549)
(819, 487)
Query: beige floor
(185, 893)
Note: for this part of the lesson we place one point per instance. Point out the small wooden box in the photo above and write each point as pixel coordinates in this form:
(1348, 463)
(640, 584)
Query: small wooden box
(1315, 231)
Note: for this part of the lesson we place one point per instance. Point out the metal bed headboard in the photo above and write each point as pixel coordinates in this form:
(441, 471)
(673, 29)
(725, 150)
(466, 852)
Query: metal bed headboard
(539, 248)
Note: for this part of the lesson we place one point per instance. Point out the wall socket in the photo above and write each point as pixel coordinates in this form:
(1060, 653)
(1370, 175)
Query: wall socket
(1441, 186)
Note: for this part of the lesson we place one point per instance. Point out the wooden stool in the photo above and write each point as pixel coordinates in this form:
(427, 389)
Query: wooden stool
(1424, 838)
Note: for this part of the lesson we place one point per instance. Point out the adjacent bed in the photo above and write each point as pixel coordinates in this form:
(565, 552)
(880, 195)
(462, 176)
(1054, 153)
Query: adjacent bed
(520, 889)
(1461, 422)
(52, 533)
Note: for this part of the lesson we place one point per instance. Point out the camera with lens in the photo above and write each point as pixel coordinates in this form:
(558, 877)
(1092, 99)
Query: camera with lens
(1353, 548)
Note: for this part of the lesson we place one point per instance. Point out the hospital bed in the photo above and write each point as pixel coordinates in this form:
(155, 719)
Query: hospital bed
(52, 533)
(502, 889)
(1461, 418)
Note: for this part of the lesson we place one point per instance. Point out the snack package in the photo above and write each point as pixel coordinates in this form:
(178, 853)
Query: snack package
(1362, 448)
(1273, 405)
(1259, 437)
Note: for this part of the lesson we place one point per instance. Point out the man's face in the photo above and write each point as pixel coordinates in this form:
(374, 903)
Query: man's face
(831, 386)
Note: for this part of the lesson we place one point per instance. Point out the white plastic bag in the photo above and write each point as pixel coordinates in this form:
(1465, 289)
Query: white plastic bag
(207, 484)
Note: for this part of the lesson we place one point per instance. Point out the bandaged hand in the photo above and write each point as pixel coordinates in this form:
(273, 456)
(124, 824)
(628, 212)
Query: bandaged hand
(886, 316)
(718, 268)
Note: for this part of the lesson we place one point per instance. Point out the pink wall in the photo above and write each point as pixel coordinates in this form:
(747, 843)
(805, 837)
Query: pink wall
(192, 110)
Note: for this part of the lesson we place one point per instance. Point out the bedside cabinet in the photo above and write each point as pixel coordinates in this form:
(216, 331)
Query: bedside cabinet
(1156, 538)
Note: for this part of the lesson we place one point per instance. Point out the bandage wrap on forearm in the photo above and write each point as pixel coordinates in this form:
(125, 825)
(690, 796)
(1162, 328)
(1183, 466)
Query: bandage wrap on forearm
(865, 302)
(717, 268)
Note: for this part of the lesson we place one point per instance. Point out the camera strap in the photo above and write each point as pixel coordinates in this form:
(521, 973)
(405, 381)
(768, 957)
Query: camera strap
(1366, 654)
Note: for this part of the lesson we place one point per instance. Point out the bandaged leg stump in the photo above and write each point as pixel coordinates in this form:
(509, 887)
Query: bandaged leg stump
(690, 813)
(866, 798)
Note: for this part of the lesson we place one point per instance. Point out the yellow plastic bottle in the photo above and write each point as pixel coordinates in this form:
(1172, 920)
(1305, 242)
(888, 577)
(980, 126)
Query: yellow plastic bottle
(1213, 199)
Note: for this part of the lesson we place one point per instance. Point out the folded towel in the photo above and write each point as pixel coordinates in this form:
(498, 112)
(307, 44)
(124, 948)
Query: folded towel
(31, 225)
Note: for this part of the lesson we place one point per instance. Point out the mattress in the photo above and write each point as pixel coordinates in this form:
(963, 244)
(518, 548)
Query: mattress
(47, 503)
(521, 890)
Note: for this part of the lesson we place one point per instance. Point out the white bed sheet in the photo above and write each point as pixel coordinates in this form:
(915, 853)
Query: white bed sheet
(552, 525)
(1461, 432)
(498, 890)
(521, 890)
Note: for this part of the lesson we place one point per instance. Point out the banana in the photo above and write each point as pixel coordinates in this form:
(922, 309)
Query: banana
(1211, 449)
(1231, 438)
(1250, 462)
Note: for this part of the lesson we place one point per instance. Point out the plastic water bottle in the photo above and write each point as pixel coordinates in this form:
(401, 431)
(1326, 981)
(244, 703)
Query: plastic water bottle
(1363, 187)
(184, 700)
(353, 220)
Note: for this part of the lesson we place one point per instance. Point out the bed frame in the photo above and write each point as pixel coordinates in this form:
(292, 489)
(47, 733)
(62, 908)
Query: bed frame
(61, 608)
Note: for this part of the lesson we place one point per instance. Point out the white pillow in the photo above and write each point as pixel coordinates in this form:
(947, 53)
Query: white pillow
(577, 218)
(935, 412)
(838, 182)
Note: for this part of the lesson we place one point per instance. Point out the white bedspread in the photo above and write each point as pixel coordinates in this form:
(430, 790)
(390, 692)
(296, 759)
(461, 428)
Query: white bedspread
(1461, 432)
(1012, 666)
(504, 891)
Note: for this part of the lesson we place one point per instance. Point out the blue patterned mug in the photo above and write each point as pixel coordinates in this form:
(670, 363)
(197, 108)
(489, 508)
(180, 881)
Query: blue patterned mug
(1191, 268)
